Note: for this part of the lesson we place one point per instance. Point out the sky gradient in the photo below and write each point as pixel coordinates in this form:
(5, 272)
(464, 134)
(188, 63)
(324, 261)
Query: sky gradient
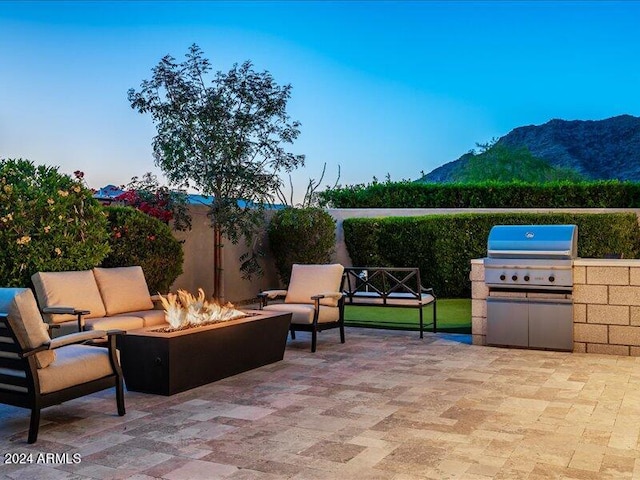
(379, 87)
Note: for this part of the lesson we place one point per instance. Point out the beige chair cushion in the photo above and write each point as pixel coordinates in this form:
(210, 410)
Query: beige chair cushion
(150, 317)
(117, 322)
(27, 324)
(75, 364)
(68, 289)
(123, 289)
(303, 313)
(309, 280)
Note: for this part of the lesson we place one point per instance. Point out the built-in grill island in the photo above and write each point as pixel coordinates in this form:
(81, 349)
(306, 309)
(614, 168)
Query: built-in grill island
(528, 273)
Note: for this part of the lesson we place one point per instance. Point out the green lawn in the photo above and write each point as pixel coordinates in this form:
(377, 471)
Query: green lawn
(454, 315)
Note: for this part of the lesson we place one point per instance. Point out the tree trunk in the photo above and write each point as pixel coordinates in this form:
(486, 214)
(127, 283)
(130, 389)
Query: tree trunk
(217, 265)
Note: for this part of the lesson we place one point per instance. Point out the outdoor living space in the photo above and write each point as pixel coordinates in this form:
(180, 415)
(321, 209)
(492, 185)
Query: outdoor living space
(383, 405)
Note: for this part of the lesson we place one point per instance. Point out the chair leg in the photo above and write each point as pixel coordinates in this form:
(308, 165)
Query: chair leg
(342, 333)
(120, 397)
(293, 333)
(434, 316)
(421, 323)
(34, 425)
(314, 339)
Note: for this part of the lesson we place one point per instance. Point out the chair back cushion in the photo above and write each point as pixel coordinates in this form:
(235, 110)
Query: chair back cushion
(26, 322)
(309, 280)
(68, 289)
(123, 289)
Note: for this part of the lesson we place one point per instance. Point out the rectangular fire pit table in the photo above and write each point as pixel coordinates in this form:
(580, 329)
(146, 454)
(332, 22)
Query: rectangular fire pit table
(168, 363)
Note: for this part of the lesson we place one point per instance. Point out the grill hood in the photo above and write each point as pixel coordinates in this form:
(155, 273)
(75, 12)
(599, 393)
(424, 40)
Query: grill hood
(552, 242)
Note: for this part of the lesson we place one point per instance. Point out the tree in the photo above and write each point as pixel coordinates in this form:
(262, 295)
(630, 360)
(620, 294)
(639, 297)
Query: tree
(224, 138)
(501, 163)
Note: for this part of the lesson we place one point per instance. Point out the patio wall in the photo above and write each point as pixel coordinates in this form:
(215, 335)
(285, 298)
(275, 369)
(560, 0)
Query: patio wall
(198, 247)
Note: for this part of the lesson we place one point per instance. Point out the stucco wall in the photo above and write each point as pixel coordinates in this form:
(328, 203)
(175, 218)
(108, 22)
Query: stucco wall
(198, 262)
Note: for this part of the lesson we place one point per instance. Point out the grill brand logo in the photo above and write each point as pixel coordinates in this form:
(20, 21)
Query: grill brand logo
(529, 235)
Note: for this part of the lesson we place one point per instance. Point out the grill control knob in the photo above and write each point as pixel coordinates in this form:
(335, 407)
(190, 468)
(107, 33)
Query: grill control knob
(503, 277)
(514, 278)
(526, 278)
(552, 278)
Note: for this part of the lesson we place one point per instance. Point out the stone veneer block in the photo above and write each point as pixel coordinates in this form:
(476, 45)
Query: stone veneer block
(624, 295)
(608, 275)
(608, 314)
(478, 308)
(579, 275)
(635, 316)
(579, 347)
(579, 313)
(479, 290)
(479, 325)
(634, 276)
(619, 335)
(477, 272)
(591, 294)
(634, 351)
(479, 339)
(583, 332)
(607, 349)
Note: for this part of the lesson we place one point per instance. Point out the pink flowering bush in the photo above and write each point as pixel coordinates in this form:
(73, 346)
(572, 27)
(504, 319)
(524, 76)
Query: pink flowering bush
(139, 239)
(48, 222)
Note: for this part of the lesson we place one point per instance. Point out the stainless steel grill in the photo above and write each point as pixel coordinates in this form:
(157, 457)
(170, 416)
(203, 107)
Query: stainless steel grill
(529, 275)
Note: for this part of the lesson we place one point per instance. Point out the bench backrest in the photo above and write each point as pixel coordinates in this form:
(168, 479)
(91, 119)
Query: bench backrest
(384, 282)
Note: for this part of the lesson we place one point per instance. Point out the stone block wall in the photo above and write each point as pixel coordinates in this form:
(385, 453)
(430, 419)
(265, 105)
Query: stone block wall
(479, 292)
(606, 314)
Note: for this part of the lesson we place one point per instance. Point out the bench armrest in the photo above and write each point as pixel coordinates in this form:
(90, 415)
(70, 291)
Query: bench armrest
(429, 291)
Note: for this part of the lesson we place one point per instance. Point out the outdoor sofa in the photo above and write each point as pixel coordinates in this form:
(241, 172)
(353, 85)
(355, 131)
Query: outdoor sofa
(97, 299)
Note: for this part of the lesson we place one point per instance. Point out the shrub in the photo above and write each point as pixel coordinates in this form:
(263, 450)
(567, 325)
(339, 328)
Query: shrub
(48, 222)
(300, 235)
(598, 194)
(138, 239)
(443, 245)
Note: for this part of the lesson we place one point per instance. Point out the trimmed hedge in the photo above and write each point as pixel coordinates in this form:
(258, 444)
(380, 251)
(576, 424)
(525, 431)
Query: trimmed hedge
(599, 194)
(443, 245)
(301, 235)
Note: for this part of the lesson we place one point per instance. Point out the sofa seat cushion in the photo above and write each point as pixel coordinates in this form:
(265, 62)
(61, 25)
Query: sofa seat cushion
(150, 317)
(309, 280)
(27, 325)
(68, 289)
(123, 289)
(74, 364)
(303, 313)
(117, 322)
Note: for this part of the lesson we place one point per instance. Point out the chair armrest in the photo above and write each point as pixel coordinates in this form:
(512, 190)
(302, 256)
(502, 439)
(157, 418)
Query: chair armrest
(429, 291)
(59, 309)
(271, 294)
(73, 338)
(336, 295)
(33, 351)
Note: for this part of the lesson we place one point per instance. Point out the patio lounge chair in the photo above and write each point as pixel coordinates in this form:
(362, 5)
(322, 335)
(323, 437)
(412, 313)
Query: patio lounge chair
(314, 298)
(37, 372)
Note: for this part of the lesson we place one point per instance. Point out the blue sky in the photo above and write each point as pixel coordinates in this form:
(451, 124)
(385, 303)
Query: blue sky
(380, 87)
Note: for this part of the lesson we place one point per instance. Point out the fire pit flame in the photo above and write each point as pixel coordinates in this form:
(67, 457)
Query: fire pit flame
(183, 310)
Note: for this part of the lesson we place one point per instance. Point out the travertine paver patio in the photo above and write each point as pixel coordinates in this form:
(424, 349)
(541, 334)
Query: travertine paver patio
(385, 405)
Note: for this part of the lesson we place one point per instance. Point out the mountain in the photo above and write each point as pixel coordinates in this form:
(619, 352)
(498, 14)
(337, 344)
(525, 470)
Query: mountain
(597, 149)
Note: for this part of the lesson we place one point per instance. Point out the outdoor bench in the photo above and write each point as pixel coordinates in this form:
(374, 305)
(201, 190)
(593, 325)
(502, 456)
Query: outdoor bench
(388, 287)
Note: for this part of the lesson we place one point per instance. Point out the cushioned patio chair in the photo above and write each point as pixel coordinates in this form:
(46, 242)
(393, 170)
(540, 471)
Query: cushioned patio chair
(37, 372)
(314, 298)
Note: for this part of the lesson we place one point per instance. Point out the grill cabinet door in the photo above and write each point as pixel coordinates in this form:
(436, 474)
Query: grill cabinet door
(507, 322)
(551, 324)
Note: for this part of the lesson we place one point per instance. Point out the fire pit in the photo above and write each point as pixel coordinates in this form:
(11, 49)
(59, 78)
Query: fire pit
(172, 359)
